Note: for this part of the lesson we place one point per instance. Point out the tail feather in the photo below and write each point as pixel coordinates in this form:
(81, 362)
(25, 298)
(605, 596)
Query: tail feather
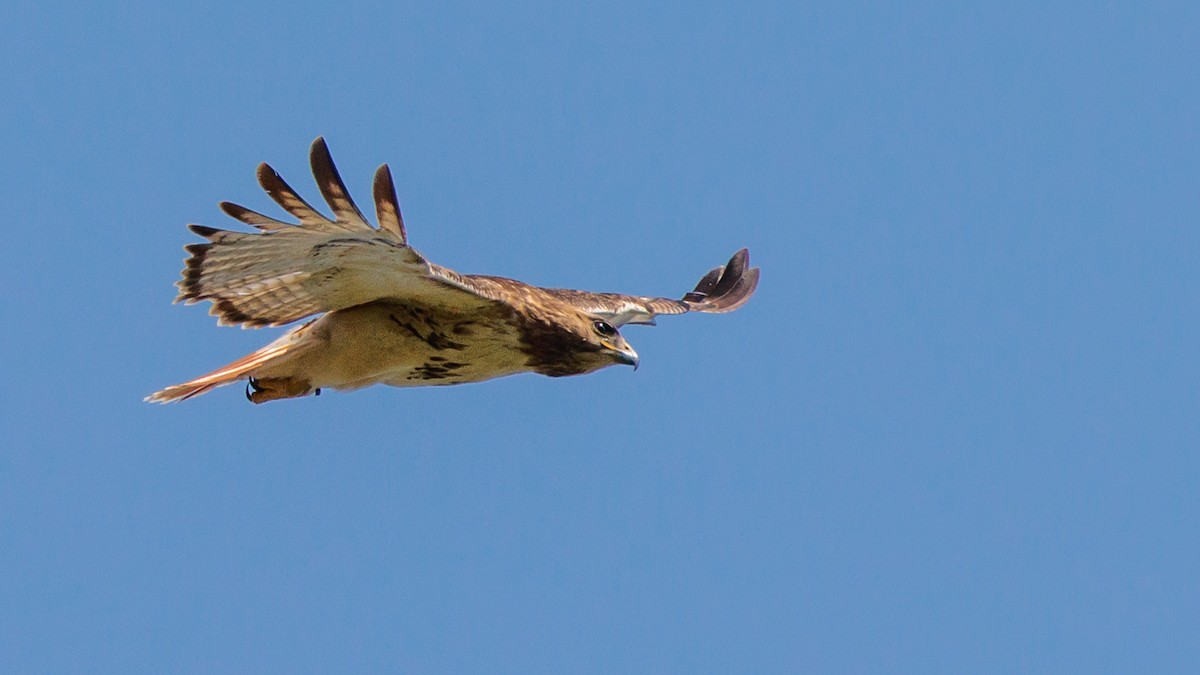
(229, 373)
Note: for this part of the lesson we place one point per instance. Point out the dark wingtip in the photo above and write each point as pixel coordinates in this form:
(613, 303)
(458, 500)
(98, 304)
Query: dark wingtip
(319, 155)
(318, 152)
(283, 194)
(251, 217)
(204, 230)
(726, 288)
(332, 187)
(708, 282)
(269, 179)
(387, 205)
(734, 269)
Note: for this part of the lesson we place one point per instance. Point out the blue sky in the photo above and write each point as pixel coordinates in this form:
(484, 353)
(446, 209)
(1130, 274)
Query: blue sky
(955, 430)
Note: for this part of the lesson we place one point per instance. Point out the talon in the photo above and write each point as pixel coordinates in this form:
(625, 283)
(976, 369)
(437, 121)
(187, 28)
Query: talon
(261, 390)
(252, 383)
(317, 392)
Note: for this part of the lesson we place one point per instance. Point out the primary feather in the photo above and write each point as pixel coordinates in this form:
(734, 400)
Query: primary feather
(387, 314)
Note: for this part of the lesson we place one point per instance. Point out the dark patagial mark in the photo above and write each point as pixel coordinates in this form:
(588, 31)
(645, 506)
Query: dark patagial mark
(435, 371)
(328, 275)
(341, 242)
(352, 242)
(434, 339)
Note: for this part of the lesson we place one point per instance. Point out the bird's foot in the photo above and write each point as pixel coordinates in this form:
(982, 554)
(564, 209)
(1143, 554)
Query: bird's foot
(261, 390)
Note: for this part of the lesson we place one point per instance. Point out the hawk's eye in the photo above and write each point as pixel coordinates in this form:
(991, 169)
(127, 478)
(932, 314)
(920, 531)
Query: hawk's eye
(604, 328)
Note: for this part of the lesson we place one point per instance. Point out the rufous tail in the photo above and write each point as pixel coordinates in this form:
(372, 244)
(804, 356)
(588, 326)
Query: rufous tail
(227, 374)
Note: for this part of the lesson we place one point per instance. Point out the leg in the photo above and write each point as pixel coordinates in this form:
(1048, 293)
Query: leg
(261, 390)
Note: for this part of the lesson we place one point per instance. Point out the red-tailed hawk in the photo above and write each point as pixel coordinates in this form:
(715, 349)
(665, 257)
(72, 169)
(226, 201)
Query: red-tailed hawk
(388, 315)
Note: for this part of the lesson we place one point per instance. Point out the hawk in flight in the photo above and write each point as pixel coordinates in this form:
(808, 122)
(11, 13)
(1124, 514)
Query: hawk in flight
(390, 316)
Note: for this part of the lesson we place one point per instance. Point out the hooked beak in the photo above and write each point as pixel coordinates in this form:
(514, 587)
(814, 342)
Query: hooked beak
(629, 358)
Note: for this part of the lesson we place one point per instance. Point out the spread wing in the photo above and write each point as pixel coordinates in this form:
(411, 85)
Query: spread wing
(723, 289)
(288, 271)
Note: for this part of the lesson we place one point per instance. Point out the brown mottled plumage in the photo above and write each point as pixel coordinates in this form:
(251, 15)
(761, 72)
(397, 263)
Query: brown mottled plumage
(388, 315)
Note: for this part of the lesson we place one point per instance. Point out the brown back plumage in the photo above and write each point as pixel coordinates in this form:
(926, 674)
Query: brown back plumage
(285, 272)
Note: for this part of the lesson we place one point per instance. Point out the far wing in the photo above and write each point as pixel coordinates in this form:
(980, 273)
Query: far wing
(723, 289)
(287, 271)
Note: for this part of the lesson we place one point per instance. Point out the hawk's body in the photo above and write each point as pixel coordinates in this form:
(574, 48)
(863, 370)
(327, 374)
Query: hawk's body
(389, 316)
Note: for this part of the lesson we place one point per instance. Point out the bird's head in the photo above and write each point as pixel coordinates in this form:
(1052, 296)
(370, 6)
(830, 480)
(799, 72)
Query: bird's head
(561, 340)
(610, 342)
